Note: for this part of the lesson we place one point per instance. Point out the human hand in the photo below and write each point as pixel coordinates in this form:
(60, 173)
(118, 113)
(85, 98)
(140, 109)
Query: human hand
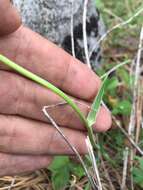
(27, 140)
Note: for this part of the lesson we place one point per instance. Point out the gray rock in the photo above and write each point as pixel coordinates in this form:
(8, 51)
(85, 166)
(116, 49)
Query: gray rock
(52, 19)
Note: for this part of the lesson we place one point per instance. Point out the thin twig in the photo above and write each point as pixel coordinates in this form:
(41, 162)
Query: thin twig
(110, 12)
(115, 27)
(65, 103)
(132, 123)
(138, 86)
(85, 34)
(93, 160)
(12, 183)
(127, 136)
(139, 112)
(70, 145)
(124, 132)
(138, 62)
(72, 31)
(124, 175)
(115, 68)
(107, 175)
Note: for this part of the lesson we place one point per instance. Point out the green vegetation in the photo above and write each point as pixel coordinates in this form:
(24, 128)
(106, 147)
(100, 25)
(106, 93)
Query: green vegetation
(116, 92)
(118, 47)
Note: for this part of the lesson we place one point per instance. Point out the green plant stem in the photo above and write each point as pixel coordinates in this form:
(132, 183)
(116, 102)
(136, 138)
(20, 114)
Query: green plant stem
(115, 68)
(53, 88)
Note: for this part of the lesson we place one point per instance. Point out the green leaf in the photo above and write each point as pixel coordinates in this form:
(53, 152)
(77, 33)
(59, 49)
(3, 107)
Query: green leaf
(60, 178)
(59, 162)
(141, 163)
(124, 76)
(138, 175)
(140, 160)
(112, 83)
(91, 118)
(60, 172)
(99, 4)
(123, 107)
(77, 170)
(87, 187)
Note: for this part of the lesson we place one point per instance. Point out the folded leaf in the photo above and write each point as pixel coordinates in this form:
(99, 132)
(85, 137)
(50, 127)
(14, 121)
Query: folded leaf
(91, 118)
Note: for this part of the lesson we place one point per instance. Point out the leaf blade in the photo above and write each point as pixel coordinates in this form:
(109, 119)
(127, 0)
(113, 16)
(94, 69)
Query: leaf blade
(91, 118)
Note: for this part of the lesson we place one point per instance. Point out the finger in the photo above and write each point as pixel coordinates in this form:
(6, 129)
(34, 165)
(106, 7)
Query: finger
(27, 99)
(50, 62)
(21, 136)
(9, 18)
(17, 164)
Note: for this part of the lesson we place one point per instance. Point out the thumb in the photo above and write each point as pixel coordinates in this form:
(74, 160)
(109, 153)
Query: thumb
(9, 18)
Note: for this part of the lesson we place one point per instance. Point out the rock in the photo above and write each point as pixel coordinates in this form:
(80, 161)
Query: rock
(52, 19)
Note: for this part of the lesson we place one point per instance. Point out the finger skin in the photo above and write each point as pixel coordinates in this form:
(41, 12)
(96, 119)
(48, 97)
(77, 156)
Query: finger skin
(27, 99)
(17, 164)
(9, 18)
(22, 136)
(50, 62)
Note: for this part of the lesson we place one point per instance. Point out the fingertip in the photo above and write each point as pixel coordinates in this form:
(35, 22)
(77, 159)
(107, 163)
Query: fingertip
(84, 83)
(10, 19)
(92, 84)
(103, 121)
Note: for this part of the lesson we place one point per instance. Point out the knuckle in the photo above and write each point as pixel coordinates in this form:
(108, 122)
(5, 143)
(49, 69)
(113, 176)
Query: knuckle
(9, 18)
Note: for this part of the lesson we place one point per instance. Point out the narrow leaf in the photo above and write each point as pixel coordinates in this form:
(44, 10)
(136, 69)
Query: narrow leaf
(91, 118)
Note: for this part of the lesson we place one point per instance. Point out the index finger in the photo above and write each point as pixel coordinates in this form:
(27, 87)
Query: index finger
(50, 62)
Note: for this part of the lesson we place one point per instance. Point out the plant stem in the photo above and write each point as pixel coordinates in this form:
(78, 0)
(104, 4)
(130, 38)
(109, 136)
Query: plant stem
(115, 68)
(53, 88)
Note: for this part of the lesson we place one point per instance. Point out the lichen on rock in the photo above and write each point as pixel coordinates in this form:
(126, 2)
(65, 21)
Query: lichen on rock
(52, 19)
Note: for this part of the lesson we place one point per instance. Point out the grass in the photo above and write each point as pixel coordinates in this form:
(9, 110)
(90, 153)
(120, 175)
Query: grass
(120, 46)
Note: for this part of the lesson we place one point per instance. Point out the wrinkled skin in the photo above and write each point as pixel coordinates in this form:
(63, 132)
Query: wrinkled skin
(27, 139)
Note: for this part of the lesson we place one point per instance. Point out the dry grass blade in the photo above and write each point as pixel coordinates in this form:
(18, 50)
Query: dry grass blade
(115, 68)
(107, 174)
(93, 185)
(11, 186)
(128, 136)
(93, 161)
(85, 34)
(24, 182)
(117, 123)
(138, 88)
(114, 28)
(140, 111)
(12, 183)
(72, 30)
(132, 124)
(124, 175)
